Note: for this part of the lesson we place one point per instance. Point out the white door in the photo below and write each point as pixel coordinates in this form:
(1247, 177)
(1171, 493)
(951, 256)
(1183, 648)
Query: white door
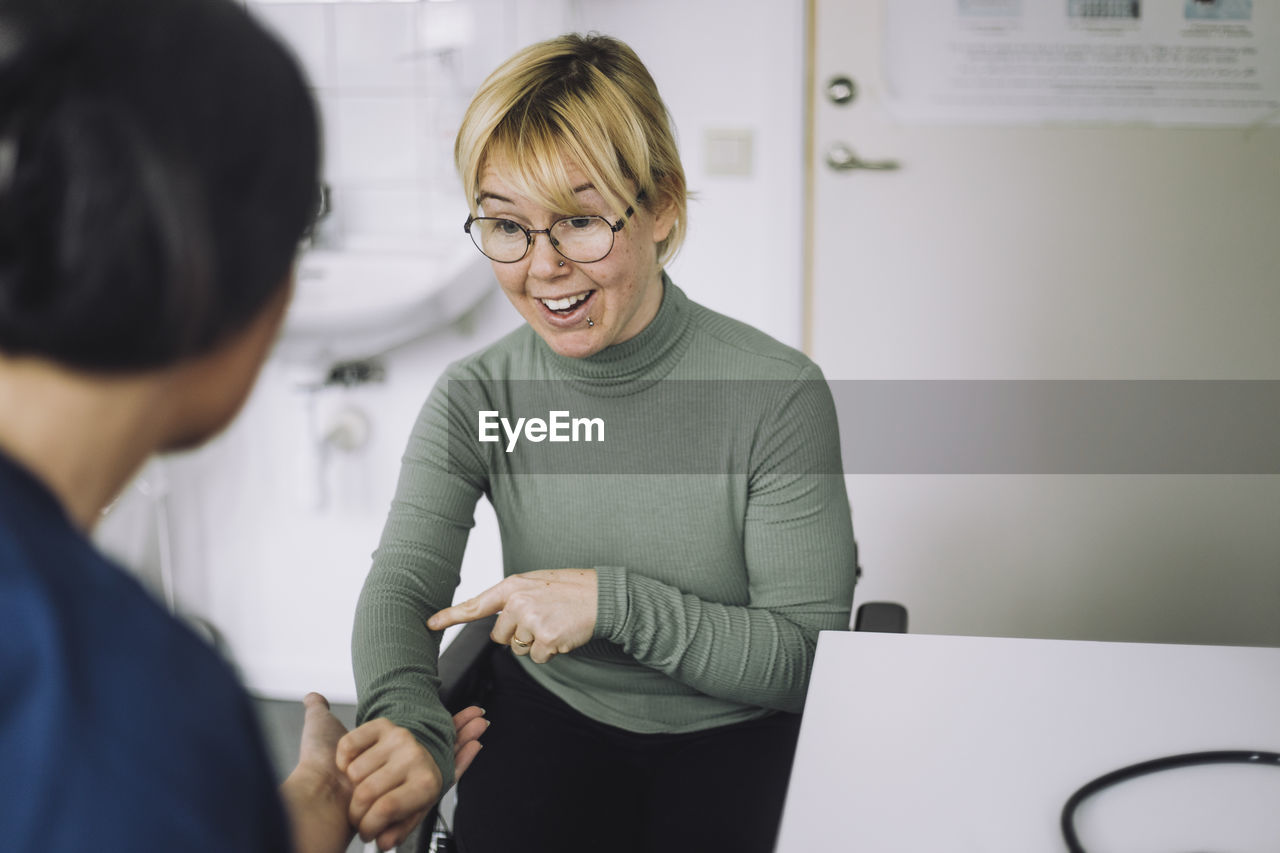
(1047, 252)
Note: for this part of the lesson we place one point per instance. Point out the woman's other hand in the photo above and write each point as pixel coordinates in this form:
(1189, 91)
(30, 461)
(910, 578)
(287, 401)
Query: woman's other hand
(396, 780)
(541, 614)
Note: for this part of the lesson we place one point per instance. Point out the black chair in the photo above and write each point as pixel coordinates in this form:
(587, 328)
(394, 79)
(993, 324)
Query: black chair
(464, 664)
(884, 617)
(464, 673)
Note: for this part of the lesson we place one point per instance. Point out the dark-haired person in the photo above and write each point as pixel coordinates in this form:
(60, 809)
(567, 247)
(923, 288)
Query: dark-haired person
(664, 589)
(158, 164)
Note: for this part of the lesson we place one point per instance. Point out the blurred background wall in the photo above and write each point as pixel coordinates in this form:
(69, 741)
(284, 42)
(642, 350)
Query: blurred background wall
(266, 534)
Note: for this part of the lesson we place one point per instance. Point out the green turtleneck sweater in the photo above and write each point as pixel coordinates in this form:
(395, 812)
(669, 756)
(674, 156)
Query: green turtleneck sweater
(711, 504)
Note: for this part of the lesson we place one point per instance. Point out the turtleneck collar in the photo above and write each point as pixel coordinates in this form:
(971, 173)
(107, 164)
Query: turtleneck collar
(635, 363)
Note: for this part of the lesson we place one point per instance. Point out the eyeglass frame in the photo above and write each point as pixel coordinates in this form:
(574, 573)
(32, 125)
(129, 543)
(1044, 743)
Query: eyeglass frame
(530, 233)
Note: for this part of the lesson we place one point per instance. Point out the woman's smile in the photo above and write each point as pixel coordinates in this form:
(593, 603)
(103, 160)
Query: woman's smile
(568, 311)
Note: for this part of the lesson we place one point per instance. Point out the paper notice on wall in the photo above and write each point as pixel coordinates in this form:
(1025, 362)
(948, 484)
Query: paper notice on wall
(1175, 62)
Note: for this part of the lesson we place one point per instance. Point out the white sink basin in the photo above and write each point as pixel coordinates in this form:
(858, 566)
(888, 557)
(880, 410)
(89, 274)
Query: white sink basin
(357, 305)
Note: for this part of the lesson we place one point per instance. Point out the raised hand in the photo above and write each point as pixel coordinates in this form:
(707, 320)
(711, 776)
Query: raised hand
(316, 795)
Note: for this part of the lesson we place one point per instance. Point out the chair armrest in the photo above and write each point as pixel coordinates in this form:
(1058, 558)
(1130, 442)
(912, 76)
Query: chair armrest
(885, 617)
(464, 664)
(464, 670)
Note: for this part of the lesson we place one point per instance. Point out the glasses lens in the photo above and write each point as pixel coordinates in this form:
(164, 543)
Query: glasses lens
(500, 239)
(583, 239)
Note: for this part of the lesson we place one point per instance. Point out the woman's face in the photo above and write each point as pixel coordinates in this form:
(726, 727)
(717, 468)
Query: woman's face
(617, 296)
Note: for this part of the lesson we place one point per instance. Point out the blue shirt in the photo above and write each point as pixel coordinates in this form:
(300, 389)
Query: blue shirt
(120, 730)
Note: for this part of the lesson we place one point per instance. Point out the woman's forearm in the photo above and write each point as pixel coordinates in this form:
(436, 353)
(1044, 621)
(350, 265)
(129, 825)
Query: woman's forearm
(748, 654)
(394, 659)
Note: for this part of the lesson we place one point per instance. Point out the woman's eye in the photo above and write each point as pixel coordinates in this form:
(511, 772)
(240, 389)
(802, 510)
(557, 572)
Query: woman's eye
(580, 222)
(507, 228)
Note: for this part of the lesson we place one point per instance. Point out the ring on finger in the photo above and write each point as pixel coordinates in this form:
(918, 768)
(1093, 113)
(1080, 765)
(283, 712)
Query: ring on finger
(516, 641)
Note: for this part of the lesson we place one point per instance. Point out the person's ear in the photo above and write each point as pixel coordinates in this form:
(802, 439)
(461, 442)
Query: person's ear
(665, 211)
(210, 390)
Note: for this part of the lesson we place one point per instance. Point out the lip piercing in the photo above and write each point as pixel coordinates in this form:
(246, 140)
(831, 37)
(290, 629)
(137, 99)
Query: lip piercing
(590, 322)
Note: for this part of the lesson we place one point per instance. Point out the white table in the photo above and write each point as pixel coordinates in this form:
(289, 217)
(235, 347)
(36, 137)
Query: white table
(932, 743)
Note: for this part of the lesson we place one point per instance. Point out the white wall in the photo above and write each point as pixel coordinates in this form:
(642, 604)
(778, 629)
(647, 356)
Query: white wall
(1048, 251)
(730, 65)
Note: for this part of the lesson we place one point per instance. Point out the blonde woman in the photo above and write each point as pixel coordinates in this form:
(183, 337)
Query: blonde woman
(664, 585)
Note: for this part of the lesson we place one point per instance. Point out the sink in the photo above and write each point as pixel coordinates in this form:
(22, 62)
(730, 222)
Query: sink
(353, 305)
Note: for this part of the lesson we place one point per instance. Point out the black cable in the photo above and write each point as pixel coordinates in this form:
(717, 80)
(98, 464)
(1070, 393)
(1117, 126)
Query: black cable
(1169, 762)
(441, 839)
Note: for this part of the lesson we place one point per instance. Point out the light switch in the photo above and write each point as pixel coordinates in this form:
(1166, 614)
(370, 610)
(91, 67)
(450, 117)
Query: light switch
(729, 151)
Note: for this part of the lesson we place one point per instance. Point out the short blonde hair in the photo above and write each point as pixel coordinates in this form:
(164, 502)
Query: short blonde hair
(587, 100)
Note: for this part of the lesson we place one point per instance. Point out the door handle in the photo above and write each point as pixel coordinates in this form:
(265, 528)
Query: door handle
(841, 158)
(841, 90)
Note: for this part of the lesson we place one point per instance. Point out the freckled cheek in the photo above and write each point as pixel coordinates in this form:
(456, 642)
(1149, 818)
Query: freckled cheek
(622, 276)
(613, 291)
(510, 280)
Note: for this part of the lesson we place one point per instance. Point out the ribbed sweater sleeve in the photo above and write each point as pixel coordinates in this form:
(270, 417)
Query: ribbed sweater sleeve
(800, 557)
(415, 571)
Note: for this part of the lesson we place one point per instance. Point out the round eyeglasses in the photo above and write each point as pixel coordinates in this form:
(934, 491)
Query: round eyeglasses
(581, 239)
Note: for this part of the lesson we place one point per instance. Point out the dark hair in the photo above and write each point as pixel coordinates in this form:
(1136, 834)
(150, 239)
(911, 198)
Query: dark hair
(158, 164)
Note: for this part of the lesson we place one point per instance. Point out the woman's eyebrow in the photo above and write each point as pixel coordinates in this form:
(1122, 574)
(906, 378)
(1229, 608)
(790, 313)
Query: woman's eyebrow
(484, 194)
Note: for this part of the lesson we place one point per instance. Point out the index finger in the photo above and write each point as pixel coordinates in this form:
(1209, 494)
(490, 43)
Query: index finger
(466, 715)
(355, 742)
(485, 604)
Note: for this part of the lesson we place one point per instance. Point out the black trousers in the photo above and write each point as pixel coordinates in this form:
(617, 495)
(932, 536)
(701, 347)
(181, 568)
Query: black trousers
(550, 779)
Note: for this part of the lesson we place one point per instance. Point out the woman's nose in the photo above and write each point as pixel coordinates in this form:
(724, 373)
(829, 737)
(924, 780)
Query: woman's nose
(545, 261)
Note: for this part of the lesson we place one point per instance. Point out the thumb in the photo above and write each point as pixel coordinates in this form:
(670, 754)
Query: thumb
(321, 730)
(314, 702)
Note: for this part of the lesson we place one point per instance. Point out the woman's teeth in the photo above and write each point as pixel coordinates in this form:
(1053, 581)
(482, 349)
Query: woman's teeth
(566, 303)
